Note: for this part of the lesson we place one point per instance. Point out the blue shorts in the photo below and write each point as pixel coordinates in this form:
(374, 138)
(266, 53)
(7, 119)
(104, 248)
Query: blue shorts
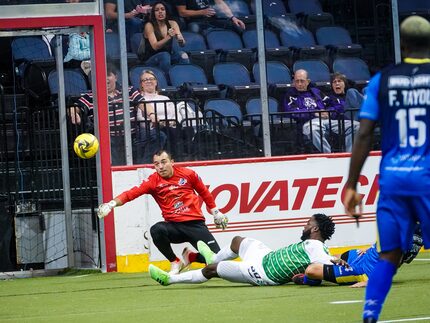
(396, 219)
(352, 274)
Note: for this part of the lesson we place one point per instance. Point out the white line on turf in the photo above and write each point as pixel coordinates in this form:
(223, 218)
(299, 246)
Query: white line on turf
(408, 320)
(346, 302)
(422, 259)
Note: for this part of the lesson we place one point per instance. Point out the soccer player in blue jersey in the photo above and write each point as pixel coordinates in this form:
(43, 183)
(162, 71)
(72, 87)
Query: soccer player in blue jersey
(359, 266)
(399, 98)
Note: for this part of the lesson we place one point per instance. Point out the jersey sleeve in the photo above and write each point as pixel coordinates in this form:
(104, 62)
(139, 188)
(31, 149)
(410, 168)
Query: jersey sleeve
(135, 192)
(202, 190)
(370, 106)
(318, 252)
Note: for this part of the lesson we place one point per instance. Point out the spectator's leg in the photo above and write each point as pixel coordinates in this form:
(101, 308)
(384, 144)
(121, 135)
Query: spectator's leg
(161, 60)
(351, 128)
(178, 56)
(314, 132)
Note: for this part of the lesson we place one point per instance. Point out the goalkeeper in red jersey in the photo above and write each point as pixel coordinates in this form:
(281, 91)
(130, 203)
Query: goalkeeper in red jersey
(174, 189)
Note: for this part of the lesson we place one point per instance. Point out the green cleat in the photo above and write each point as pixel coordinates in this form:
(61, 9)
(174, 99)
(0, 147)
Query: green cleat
(160, 276)
(204, 249)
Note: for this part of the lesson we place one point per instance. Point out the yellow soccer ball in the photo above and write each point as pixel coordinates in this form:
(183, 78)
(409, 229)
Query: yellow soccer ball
(86, 145)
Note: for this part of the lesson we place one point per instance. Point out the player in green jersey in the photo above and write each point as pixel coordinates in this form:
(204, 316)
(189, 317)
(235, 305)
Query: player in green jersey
(260, 265)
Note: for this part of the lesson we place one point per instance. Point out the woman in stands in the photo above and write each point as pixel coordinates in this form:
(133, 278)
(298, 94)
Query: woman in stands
(163, 39)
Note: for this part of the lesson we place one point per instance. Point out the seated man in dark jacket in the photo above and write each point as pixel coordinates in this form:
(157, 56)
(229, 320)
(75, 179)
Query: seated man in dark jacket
(316, 113)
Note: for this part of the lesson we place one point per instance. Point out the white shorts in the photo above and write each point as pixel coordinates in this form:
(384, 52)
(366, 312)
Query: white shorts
(252, 252)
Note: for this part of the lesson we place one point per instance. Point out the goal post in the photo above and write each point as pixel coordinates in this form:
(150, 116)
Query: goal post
(98, 76)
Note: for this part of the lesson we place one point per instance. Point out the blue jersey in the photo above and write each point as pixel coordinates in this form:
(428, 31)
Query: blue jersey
(360, 267)
(399, 98)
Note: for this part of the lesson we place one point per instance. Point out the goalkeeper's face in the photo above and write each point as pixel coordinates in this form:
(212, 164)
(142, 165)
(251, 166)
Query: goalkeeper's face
(163, 165)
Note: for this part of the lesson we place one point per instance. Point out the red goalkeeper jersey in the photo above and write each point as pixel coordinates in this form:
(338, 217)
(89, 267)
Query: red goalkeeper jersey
(176, 195)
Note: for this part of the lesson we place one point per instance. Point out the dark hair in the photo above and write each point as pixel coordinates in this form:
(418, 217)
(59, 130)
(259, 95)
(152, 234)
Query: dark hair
(339, 76)
(161, 151)
(152, 18)
(111, 69)
(325, 225)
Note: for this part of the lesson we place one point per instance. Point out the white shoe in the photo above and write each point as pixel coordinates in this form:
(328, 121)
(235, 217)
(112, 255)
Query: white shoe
(185, 256)
(176, 267)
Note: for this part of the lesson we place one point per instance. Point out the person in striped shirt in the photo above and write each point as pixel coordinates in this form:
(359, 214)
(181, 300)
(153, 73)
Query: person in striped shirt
(260, 265)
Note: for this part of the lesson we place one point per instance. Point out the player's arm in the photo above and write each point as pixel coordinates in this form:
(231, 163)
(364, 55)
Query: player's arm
(220, 219)
(127, 196)
(362, 145)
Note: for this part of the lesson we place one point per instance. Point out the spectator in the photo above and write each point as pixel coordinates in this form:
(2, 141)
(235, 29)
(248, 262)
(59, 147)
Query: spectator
(317, 119)
(82, 111)
(149, 137)
(168, 115)
(163, 38)
(134, 13)
(201, 15)
(341, 93)
(79, 50)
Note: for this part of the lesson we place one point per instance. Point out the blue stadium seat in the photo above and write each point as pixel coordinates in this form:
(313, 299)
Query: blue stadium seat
(304, 6)
(354, 68)
(302, 42)
(338, 41)
(318, 71)
(278, 77)
(229, 44)
(113, 51)
(236, 79)
(271, 8)
(274, 50)
(30, 49)
(192, 80)
(75, 82)
(199, 54)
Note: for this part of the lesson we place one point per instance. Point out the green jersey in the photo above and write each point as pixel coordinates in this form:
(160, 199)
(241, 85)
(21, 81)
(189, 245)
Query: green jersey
(282, 264)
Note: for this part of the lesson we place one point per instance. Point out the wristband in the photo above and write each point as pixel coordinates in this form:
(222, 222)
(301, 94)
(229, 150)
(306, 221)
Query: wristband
(231, 18)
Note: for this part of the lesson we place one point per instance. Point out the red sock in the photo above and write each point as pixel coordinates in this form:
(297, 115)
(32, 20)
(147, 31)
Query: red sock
(192, 256)
(176, 260)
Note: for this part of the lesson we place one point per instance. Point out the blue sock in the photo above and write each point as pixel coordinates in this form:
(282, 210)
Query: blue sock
(378, 286)
(311, 282)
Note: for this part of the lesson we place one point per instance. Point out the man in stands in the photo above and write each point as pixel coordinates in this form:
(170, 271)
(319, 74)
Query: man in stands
(311, 112)
(200, 15)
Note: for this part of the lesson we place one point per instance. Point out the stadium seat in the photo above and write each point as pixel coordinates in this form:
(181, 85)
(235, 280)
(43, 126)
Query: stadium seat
(283, 130)
(318, 71)
(75, 83)
(30, 49)
(113, 52)
(199, 54)
(241, 10)
(235, 78)
(338, 41)
(274, 50)
(354, 68)
(135, 41)
(230, 47)
(163, 86)
(303, 44)
(225, 121)
(278, 77)
(192, 81)
(271, 8)
(304, 6)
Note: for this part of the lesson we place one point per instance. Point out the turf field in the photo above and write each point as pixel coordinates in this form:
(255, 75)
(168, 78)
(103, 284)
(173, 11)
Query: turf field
(116, 297)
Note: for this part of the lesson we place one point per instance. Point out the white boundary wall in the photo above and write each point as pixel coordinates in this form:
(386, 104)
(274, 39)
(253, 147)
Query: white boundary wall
(267, 200)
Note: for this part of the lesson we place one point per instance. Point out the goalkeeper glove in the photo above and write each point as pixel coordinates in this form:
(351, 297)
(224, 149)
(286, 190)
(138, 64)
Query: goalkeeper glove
(220, 219)
(105, 208)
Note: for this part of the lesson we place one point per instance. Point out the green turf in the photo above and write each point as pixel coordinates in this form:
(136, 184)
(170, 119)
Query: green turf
(116, 297)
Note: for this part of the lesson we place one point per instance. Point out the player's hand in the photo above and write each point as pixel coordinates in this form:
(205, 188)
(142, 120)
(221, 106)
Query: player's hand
(220, 219)
(351, 201)
(340, 262)
(105, 208)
